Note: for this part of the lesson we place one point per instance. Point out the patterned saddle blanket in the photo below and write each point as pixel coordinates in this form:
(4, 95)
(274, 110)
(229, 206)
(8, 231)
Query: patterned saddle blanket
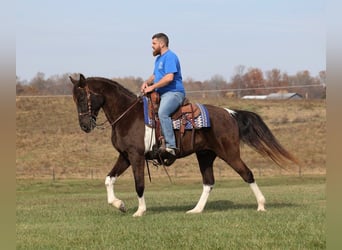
(190, 115)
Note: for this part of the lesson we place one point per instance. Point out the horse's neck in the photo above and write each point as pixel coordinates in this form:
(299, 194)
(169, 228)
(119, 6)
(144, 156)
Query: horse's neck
(117, 98)
(116, 104)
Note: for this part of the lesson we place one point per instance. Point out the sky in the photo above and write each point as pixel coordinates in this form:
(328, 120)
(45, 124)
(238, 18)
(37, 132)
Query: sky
(211, 37)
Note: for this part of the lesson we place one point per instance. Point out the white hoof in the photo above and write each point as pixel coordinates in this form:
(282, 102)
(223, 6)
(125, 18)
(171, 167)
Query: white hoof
(261, 208)
(261, 204)
(119, 205)
(139, 213)
(194, 211)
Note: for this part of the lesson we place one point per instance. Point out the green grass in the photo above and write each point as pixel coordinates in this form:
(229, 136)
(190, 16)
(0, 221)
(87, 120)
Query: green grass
(73, 214)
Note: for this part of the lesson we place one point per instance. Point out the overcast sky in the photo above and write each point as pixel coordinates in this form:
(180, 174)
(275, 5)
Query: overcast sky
(211, 37)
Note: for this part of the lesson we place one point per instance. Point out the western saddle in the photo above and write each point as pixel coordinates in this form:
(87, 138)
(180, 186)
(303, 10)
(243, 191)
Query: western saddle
(187, 112)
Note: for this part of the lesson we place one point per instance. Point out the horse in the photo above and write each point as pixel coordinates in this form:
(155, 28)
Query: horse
(124, 111)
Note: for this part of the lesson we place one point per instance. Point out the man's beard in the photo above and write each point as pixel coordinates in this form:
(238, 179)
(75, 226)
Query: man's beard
(156, 52)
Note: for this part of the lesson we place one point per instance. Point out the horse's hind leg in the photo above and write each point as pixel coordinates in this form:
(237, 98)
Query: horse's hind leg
(205, 160)
(240, 167)
(259, 196)
(120, 166)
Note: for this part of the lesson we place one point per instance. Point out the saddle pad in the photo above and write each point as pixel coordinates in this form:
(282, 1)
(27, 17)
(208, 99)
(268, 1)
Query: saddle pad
(202, 121)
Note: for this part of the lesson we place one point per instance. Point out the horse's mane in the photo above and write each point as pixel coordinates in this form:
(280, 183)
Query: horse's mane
(113, 84)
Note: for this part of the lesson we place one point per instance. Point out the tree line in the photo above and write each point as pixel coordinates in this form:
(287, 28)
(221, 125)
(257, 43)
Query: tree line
(251, 81)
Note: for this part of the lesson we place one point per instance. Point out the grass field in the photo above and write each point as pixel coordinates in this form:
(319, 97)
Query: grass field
(73, 214)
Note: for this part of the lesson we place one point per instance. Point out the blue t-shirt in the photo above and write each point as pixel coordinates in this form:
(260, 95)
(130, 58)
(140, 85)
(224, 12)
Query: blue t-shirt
(166, 64)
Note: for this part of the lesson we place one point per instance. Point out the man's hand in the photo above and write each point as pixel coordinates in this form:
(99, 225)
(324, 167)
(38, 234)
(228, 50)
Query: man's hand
(148, 89)
(143, 86)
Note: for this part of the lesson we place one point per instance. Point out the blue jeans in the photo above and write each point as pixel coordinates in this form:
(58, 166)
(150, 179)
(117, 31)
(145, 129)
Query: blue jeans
(169, 103)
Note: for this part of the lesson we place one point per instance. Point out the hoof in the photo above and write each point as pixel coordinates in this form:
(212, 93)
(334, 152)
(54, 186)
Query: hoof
(261, 209)
(261, 205)
(122, 208)
(120, 205)
(139, 213)
(194, 211)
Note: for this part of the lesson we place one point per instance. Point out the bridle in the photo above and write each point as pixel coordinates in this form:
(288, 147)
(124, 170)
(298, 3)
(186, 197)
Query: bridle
(102, 125)
(88, 92)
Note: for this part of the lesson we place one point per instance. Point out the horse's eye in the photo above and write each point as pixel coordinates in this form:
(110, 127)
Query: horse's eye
(82, 96)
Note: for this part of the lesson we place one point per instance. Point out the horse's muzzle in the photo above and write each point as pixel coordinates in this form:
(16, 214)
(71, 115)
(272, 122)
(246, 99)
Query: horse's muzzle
(87, 125)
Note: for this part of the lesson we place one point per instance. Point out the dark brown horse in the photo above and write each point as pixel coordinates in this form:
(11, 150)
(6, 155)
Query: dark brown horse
(124, 111)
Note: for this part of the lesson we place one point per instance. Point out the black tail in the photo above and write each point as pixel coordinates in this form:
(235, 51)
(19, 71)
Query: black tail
(254, 132)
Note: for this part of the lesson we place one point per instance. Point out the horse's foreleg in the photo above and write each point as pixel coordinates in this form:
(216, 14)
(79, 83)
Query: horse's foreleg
(205, 160)
(112, 200)
(120, 166)
(138, 171)
(142, 207)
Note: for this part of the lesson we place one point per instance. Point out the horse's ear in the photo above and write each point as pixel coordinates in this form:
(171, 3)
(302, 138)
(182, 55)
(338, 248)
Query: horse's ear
(82, 81)
(73, 80)
(82, 78)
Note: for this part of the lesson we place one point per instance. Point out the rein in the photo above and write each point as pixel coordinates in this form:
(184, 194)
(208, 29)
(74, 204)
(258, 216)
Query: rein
(101, 126)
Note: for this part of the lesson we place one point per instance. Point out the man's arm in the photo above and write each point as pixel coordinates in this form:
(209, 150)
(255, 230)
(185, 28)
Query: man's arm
(163, 82)
(147, 83)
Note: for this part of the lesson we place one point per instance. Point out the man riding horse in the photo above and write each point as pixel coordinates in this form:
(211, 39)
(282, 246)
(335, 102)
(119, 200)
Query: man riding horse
(166, 80)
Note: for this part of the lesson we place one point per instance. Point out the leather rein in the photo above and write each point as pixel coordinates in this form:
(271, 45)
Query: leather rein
(102, 125)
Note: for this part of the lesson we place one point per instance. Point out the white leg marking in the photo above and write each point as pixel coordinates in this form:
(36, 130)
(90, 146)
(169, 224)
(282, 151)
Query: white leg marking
(149, 139)
(142, 207)
(109, 182)
(202, 201)
(259, 196)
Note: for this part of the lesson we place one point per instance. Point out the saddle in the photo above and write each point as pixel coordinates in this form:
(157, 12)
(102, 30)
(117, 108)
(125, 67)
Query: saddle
(186, 113)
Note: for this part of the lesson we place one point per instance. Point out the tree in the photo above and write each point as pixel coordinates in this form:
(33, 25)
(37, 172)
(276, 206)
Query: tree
(237, 79)
(273, 78)
(255, 81)
(217, 82)
(323, 77)
(250, 82)
(38, 82)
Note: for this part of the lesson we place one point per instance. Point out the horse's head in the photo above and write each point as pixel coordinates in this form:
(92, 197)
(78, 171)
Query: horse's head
(88, 103)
